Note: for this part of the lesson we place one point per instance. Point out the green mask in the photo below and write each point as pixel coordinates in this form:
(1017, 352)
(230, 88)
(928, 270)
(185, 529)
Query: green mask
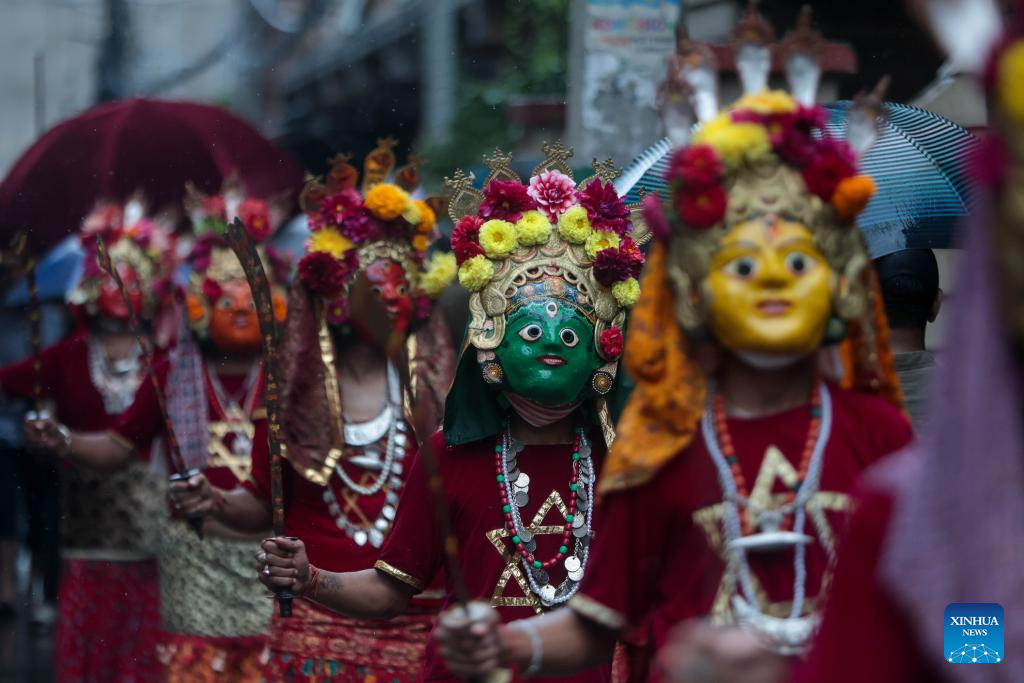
(547, 354)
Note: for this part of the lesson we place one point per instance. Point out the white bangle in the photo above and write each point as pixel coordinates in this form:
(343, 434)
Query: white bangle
(65, 434)
(536, 645)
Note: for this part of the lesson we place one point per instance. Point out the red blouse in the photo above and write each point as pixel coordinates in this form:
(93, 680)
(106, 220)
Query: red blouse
(414, 554)
(64, 375)
(142, 422)
(308, 517)
(861, 616)
(659, 559)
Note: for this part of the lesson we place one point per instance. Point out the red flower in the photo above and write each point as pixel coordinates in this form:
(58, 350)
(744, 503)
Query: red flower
(211, 289)
(322, 274)
(605, 208)
(507, 200)
(337, 311)
(635, 256)
(466, 239)
(424, 307)
(833, 161)
(701, 208)
(696, 166)
(256, 216)
(611, 342)
(336, 207)
(611, 266)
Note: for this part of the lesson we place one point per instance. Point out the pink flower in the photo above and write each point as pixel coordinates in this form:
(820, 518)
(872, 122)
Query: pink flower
(323, 274)
(612, 342)
(654, 216)
(605, 208)
(554, 192)
(361, 227)
(635, 256)
(211, 289)
(424, 307)
(336, 207)
(506, 200)
(256, 215)
(695, 166)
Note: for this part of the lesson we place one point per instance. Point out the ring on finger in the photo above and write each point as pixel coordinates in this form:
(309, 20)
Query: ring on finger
(266, 569)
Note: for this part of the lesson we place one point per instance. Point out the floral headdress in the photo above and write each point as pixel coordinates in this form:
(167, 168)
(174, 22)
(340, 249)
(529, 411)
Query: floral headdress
(546, 237)
(351, 229)
(212, 260)
(144, 242)
(768, 154)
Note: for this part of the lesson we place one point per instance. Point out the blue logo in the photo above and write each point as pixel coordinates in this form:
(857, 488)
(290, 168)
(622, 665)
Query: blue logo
(974, 633)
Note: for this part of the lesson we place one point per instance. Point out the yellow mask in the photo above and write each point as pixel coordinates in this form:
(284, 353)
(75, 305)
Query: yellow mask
(770, 289)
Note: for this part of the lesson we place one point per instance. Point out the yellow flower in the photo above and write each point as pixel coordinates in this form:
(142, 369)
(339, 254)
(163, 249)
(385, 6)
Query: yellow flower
(767, 102)
(599, 240)
(427, 217)
(1010, 81)
(533, 228)
(626, 292)
(476, 272)
(420, 242)
(734, 142)
(441, 270)
(386, 201)
(329, 241)
(574, 225)
(498, 238)
(411, 213)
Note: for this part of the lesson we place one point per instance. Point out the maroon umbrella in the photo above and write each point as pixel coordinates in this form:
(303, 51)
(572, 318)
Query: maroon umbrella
(113, 150)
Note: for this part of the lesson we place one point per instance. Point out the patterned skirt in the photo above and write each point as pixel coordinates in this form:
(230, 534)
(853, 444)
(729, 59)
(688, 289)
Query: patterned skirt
(216, 613)
(315, 646)
(108, 622)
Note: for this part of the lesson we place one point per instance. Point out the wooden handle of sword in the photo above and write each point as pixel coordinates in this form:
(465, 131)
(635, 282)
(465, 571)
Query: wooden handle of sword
(194, 521)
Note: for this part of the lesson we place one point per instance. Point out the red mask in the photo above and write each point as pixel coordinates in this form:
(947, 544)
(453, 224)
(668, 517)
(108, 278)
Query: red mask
(110, 303)
(234, 324)
(387, 280)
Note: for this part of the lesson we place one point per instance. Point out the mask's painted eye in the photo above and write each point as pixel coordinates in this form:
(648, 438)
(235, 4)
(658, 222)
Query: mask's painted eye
(743, 267)
(376, 290)
(224, 303)
(569, 337)
(798, 262)
(552, 309)
(531, 333)
(401, 290)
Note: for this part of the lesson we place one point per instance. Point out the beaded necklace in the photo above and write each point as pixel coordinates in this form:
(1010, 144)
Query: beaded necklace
(514, 488)
(787, 636)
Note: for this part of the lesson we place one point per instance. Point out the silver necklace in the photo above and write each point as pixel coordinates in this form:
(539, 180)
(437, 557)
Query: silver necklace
(790, 635)
(517, 490)
(387, 431)
(116, 381)
(236, 418)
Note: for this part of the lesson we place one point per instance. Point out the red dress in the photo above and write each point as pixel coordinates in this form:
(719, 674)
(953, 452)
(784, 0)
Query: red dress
(108, 618)
(414, 554)
(316, 644)
(215, 611)
(861, 616)
(660, 556)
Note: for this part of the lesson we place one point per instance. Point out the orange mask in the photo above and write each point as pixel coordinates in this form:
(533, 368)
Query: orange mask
(234, 323)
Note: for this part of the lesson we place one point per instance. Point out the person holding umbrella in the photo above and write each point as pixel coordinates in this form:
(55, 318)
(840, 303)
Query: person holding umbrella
(108, 521)
(214, 621)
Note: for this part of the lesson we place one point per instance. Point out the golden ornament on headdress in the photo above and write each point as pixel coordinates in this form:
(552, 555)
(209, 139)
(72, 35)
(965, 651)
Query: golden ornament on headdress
(378, 163)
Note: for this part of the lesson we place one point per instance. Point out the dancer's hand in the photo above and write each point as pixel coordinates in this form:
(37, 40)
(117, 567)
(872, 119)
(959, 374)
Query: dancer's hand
(470, 640)
(195, 497)
(282, 563)
(700, 653)
(45, 434)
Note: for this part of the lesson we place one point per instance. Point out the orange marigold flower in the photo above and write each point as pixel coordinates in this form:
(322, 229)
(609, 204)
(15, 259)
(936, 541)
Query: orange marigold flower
(280, 306)
(386, 201)
(427, 217)
(196, 310)
(852, 195)
(420, 242)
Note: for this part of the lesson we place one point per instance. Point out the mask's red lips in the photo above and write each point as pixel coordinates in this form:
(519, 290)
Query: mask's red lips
(550, 359)
(774, 306)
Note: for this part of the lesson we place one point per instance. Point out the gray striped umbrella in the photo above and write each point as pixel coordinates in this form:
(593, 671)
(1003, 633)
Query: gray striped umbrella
(919, 164)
